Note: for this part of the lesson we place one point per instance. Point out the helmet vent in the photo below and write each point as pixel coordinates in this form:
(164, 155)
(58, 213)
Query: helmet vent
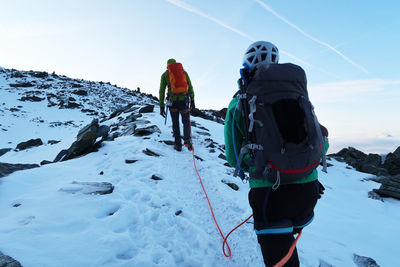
(273, 57)
(263, 56)
(251, 50)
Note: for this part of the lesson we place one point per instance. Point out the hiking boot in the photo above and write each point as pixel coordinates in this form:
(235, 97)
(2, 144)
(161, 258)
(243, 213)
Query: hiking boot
(189, 146)
(178, 147)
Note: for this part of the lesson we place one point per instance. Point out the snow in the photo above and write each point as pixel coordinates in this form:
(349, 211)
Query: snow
(48, 220)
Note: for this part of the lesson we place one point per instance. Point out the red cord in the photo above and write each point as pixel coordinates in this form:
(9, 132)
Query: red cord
(289, 254)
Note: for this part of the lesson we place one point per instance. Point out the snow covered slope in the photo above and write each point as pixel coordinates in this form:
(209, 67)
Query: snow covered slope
(157, 214)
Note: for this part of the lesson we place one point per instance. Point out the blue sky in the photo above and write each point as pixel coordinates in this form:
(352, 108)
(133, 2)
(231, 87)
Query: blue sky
(349, 50)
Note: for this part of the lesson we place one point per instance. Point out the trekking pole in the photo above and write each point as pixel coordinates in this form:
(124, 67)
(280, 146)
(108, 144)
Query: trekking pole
(166, 114)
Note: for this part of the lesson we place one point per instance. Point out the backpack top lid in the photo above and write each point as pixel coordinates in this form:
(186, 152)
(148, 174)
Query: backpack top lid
(270, 79)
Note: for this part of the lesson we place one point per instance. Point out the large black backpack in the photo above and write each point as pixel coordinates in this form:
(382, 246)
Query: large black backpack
(283, 134)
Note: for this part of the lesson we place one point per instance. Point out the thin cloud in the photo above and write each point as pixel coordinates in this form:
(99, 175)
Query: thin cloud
(273, 12)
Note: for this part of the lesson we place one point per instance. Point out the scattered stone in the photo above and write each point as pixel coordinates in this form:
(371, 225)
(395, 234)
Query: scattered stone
(89, 188)
(31, 98)
(362, 261)
(222, 156)
(7, 261)
(227, 165)
(147, 109)
(101, 173)
(77, 85)
(156, 178)
(30, 143)
(7, 168)
(23, 84)
(16, 206)
(147, 130)
(53, 142)
(129, 161)
(203, 133)
(231, 185)
(4, 151)
(168, 142)
(198, 158)
(179, 212)
(39, 74)
(148, 152)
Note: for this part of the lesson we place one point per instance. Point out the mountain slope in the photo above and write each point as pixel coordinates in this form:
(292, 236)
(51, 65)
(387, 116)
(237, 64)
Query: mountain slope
(157, 214)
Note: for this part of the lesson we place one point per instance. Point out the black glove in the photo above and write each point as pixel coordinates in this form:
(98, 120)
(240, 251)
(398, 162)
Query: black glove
(162, 111)
(192, 106)
(321, 189)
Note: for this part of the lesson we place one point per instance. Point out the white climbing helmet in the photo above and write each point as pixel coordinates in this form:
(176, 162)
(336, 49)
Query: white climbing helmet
(260, 52)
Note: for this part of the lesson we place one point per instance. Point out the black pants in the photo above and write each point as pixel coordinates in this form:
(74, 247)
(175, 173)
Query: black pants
(180, 107)
(294, 203)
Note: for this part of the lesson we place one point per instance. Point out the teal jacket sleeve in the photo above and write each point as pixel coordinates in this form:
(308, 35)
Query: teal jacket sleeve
(235, 137)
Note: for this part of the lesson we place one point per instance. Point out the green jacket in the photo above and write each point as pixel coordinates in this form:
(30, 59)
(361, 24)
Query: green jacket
(165, 82)
(240, 135)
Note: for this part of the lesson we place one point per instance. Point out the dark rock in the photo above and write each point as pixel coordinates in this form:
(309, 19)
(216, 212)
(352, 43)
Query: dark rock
(147, 109)
(374, 195)
(89, 188)
(4, 151)
(146, 131)
(80, 92)
(221, 113)
(39, 74)
(7, 261)
(222, 156)
(168, 142)
(60, 155)
(30, 143)
(71, 105)
(23, 84)
(198, 158)
(31, 98)
(231, 185)
(390, 186)
(90, 111)
(148, 152)
(101, 173)
(44, 162)
(85, 141)
(77, 85)
(7, 168)
(178, 212)
(53, 142)
(129, 161)
(203, 133)
(16, 205)
(362, 261)
(392, 162)
(156, 178)
(227, 165)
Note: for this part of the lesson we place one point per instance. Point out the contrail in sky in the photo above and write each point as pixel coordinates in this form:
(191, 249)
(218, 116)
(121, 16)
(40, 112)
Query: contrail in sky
(191, 9)
(273, 12)
(198, 12)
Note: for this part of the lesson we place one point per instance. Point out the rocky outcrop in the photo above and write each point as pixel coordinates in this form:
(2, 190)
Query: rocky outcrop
(7, 168)
(86, 141)
(371, 163)
(388, 172)
(390, 186)
(392, 162)
(7, 261)
(362, 261)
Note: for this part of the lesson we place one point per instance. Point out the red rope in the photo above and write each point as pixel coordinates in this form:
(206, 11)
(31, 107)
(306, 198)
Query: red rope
(289, 254)
(225, 242)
